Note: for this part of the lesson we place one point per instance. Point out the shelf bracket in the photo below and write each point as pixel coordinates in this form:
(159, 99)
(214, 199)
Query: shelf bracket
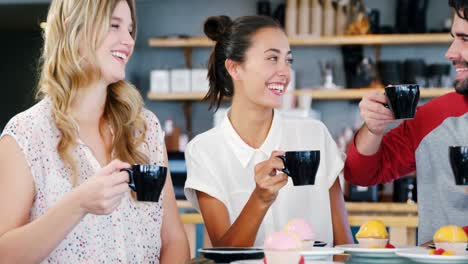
(377, 53)
(187, 109)
(188, 57)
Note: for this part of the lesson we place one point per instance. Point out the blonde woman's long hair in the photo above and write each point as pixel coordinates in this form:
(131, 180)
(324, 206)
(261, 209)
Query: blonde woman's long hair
(71, 23)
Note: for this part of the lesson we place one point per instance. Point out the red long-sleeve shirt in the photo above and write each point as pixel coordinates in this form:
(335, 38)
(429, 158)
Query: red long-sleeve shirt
(421, 144)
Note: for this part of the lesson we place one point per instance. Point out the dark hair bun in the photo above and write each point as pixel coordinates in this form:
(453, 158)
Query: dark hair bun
(217, 27)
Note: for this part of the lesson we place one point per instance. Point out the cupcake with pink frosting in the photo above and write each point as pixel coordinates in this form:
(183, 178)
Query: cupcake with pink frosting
(282, 247)
(303, 229)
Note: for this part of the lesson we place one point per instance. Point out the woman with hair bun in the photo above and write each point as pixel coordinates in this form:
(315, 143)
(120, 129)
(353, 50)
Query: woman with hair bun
(233, 177)
(63, 198)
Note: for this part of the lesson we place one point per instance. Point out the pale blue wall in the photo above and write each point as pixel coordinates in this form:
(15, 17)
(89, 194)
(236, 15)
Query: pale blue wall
(162, 17)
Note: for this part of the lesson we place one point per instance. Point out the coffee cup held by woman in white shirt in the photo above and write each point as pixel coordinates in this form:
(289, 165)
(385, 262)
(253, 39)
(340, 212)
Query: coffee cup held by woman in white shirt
(63, 198)
(234, 173)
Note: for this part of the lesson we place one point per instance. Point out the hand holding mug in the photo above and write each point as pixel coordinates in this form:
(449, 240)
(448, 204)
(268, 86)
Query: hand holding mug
(102, 193)
(375, 113)
(301, 166)
(147, 180)
(402, 100)
(269, 179)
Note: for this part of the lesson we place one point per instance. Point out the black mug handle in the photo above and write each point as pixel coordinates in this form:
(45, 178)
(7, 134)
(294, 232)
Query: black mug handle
(285, 169)
(131, 182)
(386, 104)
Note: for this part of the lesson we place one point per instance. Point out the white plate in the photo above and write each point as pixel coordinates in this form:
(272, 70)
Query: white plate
(320, 253)
(355, 250)
(421, 255)
(261, 262)
(316, 253)
(367, 260)
(248, 262)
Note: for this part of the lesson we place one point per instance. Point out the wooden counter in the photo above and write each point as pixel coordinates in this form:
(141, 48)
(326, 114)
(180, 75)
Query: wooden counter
(400, 218)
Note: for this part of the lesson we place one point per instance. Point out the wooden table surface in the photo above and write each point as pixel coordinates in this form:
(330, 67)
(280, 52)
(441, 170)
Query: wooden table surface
(400, 218)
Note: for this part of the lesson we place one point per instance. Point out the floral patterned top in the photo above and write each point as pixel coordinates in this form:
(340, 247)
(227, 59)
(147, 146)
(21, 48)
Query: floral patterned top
(131, 234)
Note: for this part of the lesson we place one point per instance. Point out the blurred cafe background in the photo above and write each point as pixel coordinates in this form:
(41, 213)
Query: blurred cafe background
(341, 48)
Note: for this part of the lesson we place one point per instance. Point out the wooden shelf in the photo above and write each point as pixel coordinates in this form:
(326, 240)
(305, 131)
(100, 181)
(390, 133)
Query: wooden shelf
(379, 39)
(317, 94)
(382, 39)
(180, 42)
(381, 207)
(188, 96)
(352, 94)
(392, 214)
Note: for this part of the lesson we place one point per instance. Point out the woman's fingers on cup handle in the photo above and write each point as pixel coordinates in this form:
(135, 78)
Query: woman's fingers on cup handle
(274, 165)
(269, 167)
(280, 177)
(277, 153)
(119, 178)
(279, 182)
(113, 166)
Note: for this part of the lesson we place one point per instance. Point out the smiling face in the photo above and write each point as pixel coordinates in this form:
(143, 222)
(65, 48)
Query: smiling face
(458, 53)
(265, 74)
(117, 47)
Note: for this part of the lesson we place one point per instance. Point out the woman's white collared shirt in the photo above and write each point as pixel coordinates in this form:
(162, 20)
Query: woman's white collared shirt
(221, 164)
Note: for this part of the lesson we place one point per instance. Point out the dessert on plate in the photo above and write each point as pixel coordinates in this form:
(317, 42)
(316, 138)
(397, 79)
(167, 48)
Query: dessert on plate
(282, 247)
(303, 229)
(372, 234)
(450, 240)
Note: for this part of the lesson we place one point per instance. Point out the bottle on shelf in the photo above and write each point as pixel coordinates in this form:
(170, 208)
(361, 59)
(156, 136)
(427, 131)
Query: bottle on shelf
(328, 18)
(291, 18)
(327, 69)
(303, 21)
(315, 18)
(171, 137)
(264, 8)
(341, 18)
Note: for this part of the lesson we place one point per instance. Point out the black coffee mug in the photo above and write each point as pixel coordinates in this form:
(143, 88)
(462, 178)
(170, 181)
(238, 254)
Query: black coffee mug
(147, 181)
(301, 166)
(459, 161)
(402, 100)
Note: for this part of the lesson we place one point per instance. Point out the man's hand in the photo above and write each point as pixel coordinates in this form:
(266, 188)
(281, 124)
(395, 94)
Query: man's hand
(375, 113)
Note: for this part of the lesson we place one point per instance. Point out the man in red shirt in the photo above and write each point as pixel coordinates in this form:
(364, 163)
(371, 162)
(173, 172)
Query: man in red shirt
(421, 143)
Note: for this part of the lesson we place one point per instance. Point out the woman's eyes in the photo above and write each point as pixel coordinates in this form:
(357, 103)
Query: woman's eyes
(117, 26)
(275, 59)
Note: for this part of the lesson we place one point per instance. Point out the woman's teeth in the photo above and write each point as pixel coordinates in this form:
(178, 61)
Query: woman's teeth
(120, 55)
(461, 69)
(276, 87)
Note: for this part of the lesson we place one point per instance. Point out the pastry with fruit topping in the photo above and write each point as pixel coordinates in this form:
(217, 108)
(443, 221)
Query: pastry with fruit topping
(450, 239)
(303, 229)
(282, 247)
(372, 234)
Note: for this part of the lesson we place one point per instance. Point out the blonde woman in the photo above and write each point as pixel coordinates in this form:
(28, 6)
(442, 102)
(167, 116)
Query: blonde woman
(62, 197)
